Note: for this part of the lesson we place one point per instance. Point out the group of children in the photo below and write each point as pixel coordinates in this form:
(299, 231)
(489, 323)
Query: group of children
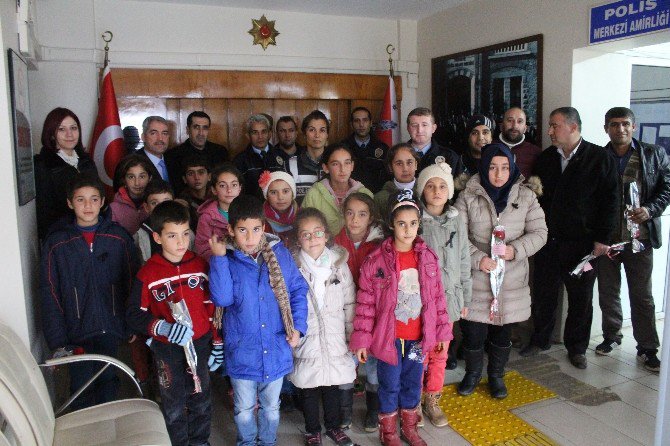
(295, 304)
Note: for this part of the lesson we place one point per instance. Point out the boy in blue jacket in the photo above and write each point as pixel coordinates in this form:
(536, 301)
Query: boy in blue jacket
(265, 316)
(88, 264)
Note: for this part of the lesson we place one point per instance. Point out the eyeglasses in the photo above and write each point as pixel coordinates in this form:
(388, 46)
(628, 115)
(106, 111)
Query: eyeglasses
(307, 236)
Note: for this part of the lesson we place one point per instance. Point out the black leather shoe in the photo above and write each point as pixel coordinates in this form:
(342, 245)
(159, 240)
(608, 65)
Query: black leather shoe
(532, 350)
(578, 360)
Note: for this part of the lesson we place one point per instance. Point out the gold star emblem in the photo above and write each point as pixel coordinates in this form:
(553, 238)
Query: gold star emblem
(264, 32)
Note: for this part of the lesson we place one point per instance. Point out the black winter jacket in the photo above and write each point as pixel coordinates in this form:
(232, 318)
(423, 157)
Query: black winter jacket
(655, 193)
(84, 293)
(582, 203)
(450, 157)
(370, 163)
(252, 165)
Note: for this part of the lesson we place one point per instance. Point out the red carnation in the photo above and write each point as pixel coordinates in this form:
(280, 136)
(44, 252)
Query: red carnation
(264, 179)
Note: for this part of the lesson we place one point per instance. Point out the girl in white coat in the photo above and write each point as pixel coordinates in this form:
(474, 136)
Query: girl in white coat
(322, 361)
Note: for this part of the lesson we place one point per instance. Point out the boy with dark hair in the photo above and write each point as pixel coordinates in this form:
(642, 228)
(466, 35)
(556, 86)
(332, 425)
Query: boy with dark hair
(87, 267)
(264, 318)
(174, 275)
(196, 178)
(156, 193)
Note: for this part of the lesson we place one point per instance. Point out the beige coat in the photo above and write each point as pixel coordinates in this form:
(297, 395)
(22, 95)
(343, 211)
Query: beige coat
(322, 357)
(525, 231)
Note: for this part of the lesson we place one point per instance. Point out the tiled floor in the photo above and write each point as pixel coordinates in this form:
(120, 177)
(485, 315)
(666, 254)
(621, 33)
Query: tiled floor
(616, 423)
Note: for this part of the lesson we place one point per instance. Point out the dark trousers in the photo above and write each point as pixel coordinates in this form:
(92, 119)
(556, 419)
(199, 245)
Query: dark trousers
(400, 384)
(638, 268)
(553, 264)
(104, 388)
(188, 415)
(330, 395)
(475, 334)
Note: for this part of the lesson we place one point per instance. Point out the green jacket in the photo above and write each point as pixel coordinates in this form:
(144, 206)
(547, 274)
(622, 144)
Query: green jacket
(447, 235)
(319, 197)
(382, 197)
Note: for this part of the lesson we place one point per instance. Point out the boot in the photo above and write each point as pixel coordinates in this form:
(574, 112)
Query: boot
(371, 415)
(452, 362)
(408, 428)
(474, 362)
(433, 411)
(498, 357)
(388, 429)
(346, 407)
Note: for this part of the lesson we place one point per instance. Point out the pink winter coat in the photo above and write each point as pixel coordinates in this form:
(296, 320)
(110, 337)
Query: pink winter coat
(374, 323)
(210, 222)
(125, 213)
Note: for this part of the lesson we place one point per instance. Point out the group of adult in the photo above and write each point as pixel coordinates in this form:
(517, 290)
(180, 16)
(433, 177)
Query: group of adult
(585, 196)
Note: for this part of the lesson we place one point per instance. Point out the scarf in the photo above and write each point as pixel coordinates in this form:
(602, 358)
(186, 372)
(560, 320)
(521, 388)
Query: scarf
(320, 270)
(276, 281)
(280, 221)
(404, 186)
(498, 195)
(72, 160)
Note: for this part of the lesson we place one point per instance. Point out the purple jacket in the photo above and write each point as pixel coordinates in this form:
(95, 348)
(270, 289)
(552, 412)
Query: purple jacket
(125, 213)
(374, 323)
(210, 222)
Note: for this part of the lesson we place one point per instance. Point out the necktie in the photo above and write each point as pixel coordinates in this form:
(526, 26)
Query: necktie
(163, 170)
(363, 146)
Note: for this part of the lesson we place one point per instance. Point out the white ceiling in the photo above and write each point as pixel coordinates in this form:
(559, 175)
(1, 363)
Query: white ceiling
(383, 9)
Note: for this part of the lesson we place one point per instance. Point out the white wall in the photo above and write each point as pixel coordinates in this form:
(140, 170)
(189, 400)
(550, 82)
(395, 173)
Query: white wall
(149, 34)
(18, 262)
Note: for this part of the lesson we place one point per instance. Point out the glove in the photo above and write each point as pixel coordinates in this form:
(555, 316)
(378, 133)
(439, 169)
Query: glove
(175, 333)
(66, 351)
(216, 357)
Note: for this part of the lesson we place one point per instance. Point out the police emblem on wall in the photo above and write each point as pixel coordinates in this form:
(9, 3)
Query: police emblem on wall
(264, 32)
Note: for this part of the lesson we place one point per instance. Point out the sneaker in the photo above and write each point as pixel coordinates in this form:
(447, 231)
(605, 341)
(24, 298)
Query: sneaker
(651, 362)
(313, 439)
(606, 347)
(339, 437)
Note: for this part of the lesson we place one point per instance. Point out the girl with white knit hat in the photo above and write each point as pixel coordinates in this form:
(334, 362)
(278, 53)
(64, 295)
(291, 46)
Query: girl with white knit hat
(446, 234)
(280, 207)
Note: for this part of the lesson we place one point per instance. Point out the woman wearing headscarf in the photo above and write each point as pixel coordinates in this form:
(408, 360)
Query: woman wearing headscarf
(497, 196)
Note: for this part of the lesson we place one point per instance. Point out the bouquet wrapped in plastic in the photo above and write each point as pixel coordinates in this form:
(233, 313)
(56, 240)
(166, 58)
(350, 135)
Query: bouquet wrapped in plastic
(498, 274)
(182, 316)
(633, 228)
(585, 264)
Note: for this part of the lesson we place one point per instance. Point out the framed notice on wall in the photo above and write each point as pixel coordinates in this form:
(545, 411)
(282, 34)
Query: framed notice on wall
(23, 147)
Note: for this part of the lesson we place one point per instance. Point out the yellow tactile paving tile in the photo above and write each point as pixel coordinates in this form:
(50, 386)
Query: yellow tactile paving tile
(483, 420)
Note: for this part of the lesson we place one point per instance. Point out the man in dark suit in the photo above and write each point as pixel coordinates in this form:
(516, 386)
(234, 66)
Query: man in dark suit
(421, 126)
(581, 205)
(197, 126)
(258, 156)
(370, 166)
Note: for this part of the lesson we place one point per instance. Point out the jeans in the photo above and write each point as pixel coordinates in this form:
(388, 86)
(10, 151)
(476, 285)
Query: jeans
(188, 415)
(371, 380)
(331, 407)
(638, 268)
(400, 384)
(104, 388)
(553, 264)
(247, 394)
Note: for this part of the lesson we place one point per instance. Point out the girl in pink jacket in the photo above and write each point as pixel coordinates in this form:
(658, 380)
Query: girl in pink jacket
(226, 185)
(400, 314)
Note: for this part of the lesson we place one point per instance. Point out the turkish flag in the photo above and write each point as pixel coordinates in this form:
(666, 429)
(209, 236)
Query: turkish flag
(107, 147)
(388, 129)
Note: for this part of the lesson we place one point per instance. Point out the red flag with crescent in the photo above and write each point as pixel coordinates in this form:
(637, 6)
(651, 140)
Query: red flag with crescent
(388, 130)
(107, 147)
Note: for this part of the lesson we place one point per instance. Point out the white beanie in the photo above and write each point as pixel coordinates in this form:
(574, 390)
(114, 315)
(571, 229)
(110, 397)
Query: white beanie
(268, 177)
(437, 170)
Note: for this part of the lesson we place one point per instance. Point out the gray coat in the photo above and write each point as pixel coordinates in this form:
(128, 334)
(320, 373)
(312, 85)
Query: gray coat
(447, 235)
(525, 231)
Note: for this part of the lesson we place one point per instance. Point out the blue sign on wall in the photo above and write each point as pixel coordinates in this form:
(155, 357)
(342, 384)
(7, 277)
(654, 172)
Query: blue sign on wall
(627, 18)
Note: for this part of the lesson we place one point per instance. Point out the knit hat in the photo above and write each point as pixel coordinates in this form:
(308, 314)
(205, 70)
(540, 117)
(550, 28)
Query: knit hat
(268, 177)
(437, 170)
(476, 120)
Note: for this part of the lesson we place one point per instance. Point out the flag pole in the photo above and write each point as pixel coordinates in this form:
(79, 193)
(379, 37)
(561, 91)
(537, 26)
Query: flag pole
(107, 37)
(390, 49)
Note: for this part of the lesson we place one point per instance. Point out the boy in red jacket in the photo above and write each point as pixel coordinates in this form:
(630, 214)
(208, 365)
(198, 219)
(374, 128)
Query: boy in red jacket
(171, 276)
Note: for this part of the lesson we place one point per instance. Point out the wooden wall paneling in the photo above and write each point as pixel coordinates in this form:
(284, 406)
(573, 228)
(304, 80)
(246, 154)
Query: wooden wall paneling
(342, 117)
(172, 115)
(285, 107)
(186, 106)
(249, 84)
(239, 111)
(217, 109)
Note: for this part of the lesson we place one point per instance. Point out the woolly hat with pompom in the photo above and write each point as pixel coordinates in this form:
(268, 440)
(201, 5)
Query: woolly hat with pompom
(268, 177)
